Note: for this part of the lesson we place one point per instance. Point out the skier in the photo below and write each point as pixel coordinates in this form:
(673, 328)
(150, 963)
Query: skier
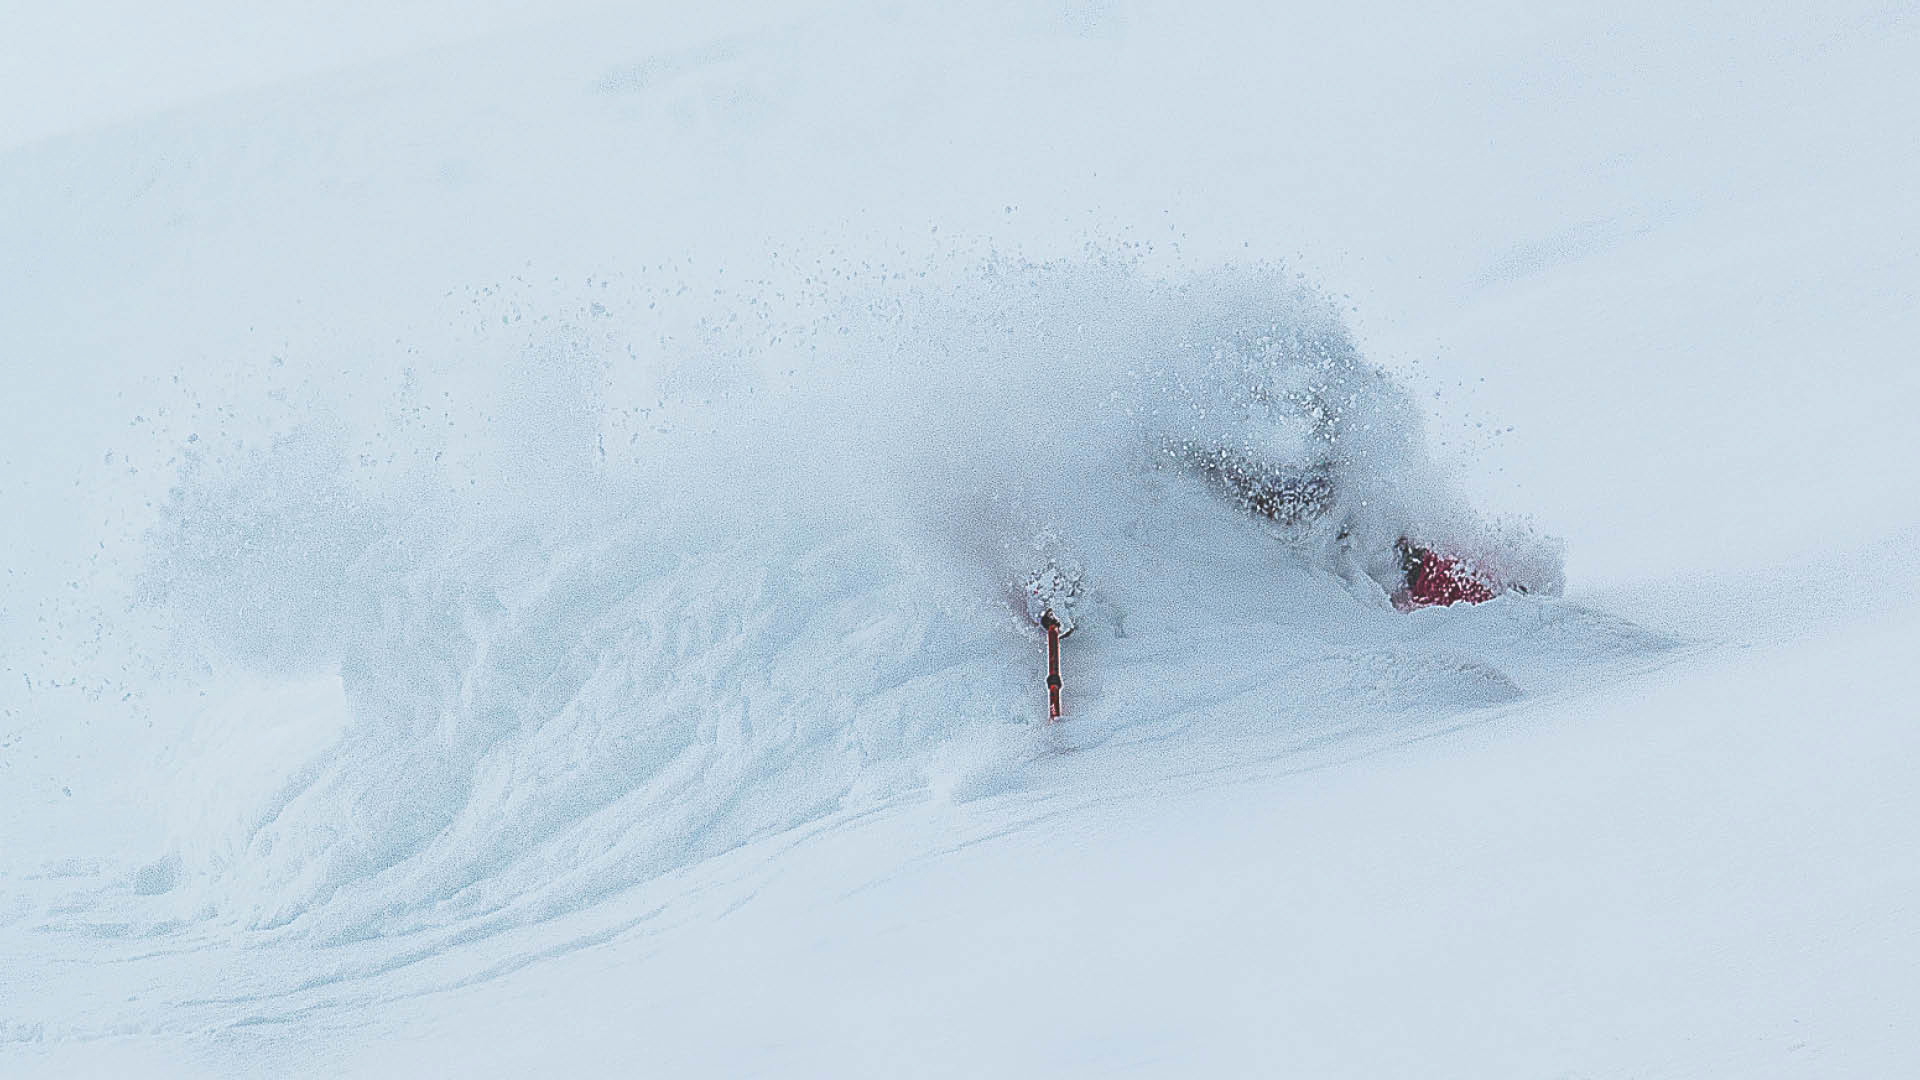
(1299, 499)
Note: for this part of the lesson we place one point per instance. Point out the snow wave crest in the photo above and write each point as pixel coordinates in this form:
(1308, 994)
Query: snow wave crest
(598, 610)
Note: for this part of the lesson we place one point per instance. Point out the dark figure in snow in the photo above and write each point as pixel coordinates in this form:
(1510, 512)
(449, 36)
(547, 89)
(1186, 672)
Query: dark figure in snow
(1296, 498)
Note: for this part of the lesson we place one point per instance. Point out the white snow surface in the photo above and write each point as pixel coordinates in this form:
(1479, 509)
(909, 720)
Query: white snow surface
(518, 516)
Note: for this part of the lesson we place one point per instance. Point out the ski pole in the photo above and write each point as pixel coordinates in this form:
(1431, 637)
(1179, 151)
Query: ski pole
(1053, 664)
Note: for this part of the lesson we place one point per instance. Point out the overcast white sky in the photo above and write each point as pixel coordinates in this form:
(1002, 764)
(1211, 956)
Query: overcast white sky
(82, 63)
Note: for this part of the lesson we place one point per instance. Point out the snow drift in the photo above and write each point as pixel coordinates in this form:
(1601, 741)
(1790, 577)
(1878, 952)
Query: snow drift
(654, 577)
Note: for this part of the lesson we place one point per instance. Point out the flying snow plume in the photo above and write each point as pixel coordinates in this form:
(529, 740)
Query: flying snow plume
(657, 572)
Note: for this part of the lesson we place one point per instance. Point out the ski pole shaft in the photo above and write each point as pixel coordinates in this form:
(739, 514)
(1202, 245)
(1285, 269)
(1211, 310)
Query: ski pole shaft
(1053, 666)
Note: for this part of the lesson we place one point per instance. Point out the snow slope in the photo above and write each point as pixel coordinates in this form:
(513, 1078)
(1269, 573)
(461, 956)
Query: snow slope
(1561, 889)
(514, 544)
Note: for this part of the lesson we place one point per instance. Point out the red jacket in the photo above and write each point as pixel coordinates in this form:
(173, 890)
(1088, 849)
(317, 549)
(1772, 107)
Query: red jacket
(1436, 580)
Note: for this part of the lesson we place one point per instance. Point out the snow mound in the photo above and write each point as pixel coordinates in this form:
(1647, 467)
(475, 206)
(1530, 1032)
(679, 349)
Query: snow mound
(597, 611)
